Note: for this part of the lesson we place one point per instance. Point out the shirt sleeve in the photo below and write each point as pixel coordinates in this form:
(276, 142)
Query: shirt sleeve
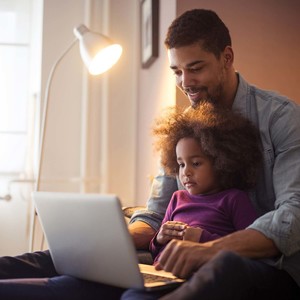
(282, 224)
(162, 189)
(154, 247)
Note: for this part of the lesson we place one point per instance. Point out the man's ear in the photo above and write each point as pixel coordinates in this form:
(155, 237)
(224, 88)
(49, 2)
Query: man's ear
(228, 56)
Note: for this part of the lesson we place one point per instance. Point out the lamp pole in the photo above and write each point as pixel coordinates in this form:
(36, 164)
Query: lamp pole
(42, 139)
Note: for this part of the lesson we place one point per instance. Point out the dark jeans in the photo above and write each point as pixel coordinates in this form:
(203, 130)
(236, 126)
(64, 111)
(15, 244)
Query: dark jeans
(32, 276)
(229, 277)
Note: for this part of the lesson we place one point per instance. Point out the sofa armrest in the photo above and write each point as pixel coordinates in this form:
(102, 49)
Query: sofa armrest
(128, 211)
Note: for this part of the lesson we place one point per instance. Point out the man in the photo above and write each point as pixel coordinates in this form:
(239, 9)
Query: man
(264, 259)
(201, 56)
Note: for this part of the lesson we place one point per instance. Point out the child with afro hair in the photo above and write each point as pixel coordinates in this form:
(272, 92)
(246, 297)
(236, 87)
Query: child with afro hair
(216, 154)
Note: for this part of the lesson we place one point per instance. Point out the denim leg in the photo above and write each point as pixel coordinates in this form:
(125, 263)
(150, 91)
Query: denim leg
(57, 288)
(29, 265)
(33, 276)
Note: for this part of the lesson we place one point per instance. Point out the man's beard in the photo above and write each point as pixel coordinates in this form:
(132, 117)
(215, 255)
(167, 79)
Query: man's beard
(212, 98)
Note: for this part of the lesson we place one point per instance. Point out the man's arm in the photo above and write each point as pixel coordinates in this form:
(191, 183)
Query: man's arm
(249, 243)
(142, 234)
(144, 223)
(182, 258)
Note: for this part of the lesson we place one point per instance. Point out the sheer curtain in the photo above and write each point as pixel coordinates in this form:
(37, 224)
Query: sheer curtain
(19, 98)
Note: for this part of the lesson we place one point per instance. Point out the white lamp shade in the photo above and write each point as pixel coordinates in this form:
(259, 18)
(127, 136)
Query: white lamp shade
(97, 51)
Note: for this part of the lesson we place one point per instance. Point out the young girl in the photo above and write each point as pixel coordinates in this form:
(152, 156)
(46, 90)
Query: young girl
(216, 154)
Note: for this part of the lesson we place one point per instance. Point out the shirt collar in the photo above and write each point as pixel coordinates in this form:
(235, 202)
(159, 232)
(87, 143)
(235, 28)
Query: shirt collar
(240, 100)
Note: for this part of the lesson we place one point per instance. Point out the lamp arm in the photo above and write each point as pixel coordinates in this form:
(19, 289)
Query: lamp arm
(42, 139)
(45, 113)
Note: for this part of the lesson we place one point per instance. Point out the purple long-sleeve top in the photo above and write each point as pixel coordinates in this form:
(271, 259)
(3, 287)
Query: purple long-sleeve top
(217, 214)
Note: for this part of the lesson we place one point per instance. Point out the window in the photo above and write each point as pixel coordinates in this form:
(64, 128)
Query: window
(20, 63)
(16, 85)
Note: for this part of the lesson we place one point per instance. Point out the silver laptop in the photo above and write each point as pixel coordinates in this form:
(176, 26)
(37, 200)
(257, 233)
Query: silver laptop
(88, 238)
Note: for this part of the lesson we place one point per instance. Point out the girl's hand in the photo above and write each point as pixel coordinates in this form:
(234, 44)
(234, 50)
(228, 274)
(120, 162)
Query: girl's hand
(192, 234)
(171, 230)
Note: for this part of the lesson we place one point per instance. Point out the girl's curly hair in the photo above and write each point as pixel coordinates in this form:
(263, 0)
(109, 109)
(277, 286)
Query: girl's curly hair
(231, 142)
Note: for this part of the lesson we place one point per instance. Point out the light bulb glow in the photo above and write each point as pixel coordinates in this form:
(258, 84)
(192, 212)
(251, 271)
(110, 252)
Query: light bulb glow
(105, 59)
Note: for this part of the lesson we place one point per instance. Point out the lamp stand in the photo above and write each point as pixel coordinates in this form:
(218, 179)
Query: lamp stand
(42, 143)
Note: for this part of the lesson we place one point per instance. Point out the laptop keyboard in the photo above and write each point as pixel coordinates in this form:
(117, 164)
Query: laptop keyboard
(149, 278)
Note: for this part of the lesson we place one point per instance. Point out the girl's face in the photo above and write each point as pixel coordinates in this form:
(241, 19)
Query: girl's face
(195, 169)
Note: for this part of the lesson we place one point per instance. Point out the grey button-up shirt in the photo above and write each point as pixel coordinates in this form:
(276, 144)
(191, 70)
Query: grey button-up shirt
(277, 194)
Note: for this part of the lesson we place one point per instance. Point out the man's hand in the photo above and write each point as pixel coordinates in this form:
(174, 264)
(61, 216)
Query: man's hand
(169, 231)
(182, 258)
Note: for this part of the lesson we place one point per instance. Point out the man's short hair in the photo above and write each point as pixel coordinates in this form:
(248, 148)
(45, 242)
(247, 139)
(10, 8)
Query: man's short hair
(199, 26)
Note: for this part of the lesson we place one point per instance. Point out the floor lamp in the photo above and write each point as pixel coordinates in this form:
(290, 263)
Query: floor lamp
(99, 54)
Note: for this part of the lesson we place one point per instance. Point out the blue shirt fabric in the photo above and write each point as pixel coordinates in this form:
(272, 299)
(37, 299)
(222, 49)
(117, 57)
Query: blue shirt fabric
(277, 194)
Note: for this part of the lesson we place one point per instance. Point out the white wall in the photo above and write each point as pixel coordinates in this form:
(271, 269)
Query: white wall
(156, 90)
(92, 121)
(118, 162)
(63, 131)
